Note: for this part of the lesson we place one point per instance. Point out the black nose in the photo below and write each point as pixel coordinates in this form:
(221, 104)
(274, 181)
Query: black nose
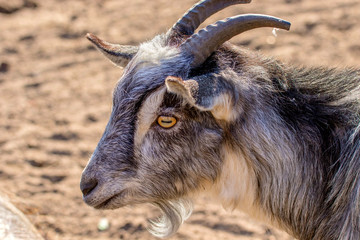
(87, 186)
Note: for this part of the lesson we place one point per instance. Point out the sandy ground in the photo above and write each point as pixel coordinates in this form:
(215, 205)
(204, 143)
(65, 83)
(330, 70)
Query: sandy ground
(55, 100)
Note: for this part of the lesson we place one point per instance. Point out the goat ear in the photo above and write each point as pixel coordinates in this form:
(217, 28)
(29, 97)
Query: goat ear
(120, 55)
(205, 93)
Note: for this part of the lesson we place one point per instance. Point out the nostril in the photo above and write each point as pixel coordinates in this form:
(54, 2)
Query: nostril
(87, 187)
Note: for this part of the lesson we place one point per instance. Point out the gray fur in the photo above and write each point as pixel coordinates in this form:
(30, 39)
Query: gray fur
(293, 131)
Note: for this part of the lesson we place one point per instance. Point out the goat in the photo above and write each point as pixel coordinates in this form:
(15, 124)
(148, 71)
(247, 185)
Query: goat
(193, 114)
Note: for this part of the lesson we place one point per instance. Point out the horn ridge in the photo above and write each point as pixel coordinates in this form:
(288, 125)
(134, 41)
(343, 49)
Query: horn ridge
(207, 40)
(196, 15)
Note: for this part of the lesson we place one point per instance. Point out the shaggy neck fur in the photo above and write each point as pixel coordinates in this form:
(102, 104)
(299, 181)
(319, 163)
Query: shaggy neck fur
(296, 158)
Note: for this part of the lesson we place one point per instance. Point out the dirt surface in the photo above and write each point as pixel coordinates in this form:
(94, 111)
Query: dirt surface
(56, 90)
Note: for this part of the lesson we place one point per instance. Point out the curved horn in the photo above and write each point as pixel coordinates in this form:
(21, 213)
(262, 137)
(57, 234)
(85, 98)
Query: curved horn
(196, 15)
(207, 40)
(119, 54)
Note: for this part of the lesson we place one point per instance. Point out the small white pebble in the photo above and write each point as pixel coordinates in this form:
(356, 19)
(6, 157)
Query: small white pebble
(103, 224)
(271, 40)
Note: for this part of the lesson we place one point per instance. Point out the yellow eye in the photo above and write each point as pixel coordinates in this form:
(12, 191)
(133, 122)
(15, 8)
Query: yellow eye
(166, 121)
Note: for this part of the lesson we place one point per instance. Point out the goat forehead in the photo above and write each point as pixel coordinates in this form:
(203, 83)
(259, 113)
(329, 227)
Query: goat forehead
(141, 81)
(136, 83)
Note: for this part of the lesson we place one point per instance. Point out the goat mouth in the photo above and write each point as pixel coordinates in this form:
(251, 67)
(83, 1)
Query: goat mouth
(112, 202)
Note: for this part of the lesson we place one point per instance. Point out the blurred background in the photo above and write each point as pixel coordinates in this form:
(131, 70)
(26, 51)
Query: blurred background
(56, 95)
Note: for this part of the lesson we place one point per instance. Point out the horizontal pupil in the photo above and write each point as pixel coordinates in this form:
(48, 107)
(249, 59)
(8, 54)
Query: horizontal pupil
(164, 121)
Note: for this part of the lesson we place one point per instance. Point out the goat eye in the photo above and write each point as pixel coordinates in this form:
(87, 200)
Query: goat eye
(166, 121)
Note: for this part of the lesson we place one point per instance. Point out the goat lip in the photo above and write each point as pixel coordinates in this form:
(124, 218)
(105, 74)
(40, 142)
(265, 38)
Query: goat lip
(108, 203)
